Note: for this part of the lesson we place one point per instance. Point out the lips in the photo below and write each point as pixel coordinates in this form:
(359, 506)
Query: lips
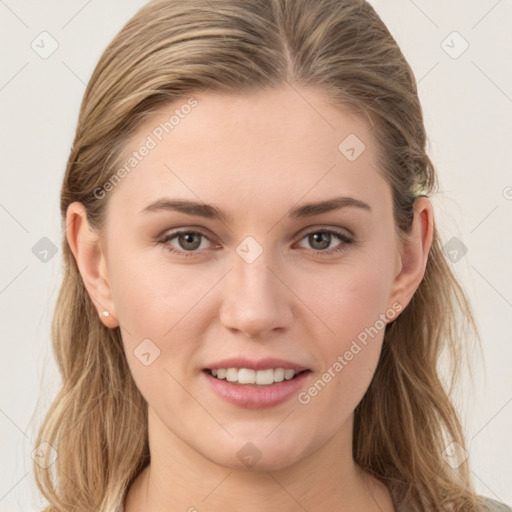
(249, 395)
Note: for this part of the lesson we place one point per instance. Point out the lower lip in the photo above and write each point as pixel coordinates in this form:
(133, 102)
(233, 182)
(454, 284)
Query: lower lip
(252, 396)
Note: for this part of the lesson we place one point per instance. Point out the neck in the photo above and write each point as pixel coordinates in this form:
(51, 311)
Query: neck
(180, 478)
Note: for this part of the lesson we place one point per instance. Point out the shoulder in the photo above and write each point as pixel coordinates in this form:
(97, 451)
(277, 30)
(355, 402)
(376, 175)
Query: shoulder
(490, 505)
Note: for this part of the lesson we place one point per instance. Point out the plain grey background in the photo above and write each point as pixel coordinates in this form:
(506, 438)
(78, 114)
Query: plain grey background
(460, 53)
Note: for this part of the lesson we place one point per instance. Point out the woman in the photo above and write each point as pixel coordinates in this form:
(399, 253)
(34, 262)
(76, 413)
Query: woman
(256, 297)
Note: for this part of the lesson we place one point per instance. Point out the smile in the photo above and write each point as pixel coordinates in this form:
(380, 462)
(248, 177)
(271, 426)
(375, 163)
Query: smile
(249, 376)
(255, 389)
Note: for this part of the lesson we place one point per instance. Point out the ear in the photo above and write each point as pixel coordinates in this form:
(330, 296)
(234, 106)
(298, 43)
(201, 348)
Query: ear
(414, 253)
(85, 245)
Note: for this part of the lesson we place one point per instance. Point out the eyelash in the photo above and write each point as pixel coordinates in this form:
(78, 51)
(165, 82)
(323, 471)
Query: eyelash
(165, 239)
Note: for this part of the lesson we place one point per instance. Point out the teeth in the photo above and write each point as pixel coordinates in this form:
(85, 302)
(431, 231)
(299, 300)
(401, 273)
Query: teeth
(232, 375)
(278, 375)
(248, 376)
(288, 374)
(265, 377)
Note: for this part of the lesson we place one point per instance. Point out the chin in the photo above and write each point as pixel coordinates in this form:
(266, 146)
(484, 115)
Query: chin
(258, 454)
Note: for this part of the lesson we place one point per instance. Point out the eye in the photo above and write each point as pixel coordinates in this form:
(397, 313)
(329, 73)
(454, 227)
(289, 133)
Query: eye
(321, 240)
(189, 242)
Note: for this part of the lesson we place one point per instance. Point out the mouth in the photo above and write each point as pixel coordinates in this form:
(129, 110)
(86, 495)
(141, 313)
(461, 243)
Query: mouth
(249, 376)
(249, 388)
(249, 383)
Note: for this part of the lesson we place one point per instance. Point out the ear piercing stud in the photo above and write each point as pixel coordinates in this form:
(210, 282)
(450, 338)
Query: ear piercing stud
(106, 313)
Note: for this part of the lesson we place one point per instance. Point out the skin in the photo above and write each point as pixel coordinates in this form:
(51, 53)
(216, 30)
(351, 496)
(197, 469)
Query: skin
(254, 157)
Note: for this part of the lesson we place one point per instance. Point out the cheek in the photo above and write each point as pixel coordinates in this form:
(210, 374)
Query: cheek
(337, 391)
(352, 308)
(350, 299)
(152, 295)
(164, 311)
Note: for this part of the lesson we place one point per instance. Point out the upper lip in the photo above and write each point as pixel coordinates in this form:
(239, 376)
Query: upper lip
(261, 364)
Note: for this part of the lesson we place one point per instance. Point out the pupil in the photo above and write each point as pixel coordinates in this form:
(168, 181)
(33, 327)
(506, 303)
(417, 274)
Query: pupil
(188, 238)
(322, 238)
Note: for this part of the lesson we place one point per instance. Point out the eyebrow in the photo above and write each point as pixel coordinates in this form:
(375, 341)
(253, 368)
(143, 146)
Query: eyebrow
(208, 211)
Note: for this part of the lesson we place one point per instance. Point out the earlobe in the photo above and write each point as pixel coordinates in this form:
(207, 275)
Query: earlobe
(414, 253)
(85, 245)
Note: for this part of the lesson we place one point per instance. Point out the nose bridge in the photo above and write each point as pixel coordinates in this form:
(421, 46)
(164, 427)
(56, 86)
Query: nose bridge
(254, 276)
(255, 301)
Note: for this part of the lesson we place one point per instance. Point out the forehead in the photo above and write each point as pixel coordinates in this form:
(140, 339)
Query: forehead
(271, 147)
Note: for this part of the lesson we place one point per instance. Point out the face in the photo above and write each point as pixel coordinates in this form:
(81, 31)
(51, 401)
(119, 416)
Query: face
(266, 279)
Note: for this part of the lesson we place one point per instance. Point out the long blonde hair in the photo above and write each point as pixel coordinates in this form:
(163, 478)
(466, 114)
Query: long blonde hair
(169, 50)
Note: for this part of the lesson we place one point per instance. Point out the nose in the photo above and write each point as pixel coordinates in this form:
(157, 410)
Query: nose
(255, 300)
